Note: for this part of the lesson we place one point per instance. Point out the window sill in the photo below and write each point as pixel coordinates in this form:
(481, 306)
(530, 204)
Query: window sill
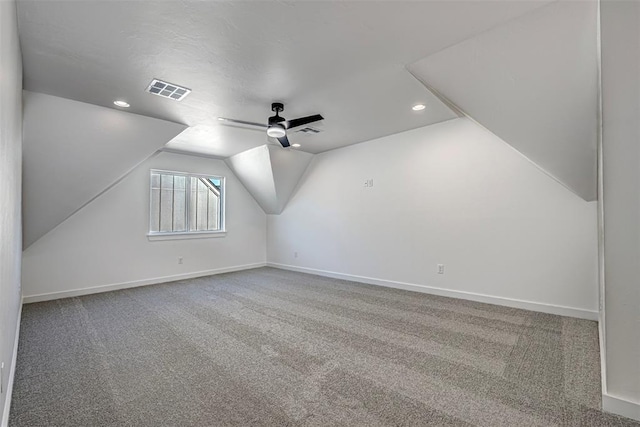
(185, 236)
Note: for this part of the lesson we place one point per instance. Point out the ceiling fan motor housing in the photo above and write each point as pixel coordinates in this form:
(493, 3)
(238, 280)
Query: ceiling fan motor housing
(276, 130)
(277, 107)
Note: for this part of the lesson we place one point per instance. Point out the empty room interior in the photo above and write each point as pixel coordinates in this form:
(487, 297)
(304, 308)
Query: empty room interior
(320, 213)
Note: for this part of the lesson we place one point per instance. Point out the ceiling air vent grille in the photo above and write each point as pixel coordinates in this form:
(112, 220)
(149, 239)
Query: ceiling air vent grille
(309, 131)
(168, 90)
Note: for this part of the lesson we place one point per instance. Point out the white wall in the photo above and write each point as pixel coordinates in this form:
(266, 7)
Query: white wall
(450, 193)
(10, 191)
(620, 26)
(105, 243)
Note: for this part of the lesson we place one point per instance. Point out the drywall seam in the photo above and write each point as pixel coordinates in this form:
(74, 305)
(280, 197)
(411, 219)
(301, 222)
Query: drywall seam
(471, 296)
(136, 283)
(458, 110)
(619, 406)
(12, 372)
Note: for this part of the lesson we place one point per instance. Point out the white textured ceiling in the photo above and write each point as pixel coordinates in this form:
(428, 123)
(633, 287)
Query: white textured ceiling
(534, 83)
(344, 60)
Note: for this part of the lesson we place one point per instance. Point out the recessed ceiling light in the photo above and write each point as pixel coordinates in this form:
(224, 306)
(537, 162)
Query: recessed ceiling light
(418, 107)
(123, 104)
(295, 145)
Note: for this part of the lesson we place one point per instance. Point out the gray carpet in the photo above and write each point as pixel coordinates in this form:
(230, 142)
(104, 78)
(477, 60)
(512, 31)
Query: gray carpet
(272, 347)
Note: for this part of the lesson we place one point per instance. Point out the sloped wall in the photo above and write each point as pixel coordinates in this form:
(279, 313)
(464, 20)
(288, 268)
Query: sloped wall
(105, 244)
(74, 150)
(10, 192)
(270, 173)
(533, 82)
(451, 194)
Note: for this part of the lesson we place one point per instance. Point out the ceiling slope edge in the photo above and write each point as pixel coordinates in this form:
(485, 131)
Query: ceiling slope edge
(270, 173)
(462, 113)
(532, 82)
(73, 152)
(253, 169)
(288, 167)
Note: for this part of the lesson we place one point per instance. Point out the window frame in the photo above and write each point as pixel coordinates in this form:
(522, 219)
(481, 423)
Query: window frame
(172, 235)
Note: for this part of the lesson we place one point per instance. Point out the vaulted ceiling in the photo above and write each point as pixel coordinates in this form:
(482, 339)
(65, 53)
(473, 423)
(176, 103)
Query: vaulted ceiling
(344, 60)
(525, 70)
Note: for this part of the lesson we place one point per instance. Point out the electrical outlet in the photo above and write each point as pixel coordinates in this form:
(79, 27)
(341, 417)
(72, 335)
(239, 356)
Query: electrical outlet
(440, 268)
(368, 183)
(179, 260)
(295, 254)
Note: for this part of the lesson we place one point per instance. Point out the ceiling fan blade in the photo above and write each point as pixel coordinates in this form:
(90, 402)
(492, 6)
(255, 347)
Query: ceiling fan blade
(284, 141)
(241, 122)
(302, 121)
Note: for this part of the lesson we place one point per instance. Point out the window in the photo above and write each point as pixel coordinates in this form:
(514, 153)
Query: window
(183, 203)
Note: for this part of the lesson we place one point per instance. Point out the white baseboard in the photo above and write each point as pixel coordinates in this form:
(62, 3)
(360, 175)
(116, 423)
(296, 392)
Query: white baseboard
(134, 284)
(12, 373)
(508, 302)
(603, 353)
(619, 406)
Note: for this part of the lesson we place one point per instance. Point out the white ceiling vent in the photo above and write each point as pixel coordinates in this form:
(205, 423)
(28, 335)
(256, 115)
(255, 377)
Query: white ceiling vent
(168, 90)
(309, 130)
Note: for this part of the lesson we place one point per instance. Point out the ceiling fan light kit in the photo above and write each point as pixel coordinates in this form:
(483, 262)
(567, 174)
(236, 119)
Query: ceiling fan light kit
(276, 131)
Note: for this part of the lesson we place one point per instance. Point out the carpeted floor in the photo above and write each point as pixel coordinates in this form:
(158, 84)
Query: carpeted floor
(272, 347)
